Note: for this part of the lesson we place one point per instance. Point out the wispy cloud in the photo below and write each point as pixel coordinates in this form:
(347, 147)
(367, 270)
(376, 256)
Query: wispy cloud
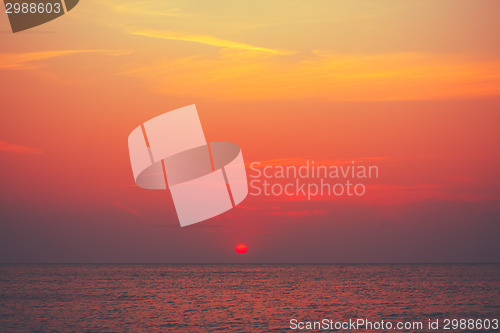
(18, 149)
(303, 161)
(447, 191)
(124, 207)
(324, 75)
(142, 8)
(207, 40)
(24, 61)
(300, 213)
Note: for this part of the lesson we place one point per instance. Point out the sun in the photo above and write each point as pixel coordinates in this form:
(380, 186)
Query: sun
(241, 248)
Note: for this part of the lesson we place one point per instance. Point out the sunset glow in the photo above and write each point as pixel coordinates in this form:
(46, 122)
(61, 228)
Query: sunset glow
(411, 88)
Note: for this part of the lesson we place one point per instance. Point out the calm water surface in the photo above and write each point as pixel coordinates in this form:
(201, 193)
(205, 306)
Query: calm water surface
(243, 298)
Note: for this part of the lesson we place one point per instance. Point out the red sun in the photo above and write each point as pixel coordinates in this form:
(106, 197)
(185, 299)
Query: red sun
(241, 248)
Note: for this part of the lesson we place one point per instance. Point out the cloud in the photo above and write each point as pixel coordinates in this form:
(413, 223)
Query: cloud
(298, 161)
(132, 211)
(144, 8)
(394, 194)
(207, 40)
(300, 213)
(24, 61)
(321, 75)
(18, 149)
(247, 207)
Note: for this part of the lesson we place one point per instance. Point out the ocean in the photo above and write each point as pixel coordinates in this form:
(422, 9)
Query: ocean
(242, 298)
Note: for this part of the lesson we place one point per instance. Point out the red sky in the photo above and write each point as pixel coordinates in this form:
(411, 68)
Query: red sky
(413, 88)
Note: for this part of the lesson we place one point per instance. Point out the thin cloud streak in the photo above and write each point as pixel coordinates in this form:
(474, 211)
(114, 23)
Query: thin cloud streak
(303, 161)
(206, 40)
(26, 61)
(301, 213)
(322, 74)
(7, 147)
(130, 210)
(144, 8)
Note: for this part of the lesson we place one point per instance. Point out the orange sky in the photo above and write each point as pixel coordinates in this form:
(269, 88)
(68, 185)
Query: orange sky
(415, 83)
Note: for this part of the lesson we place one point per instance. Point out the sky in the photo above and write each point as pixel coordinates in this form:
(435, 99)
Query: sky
(412, 87)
